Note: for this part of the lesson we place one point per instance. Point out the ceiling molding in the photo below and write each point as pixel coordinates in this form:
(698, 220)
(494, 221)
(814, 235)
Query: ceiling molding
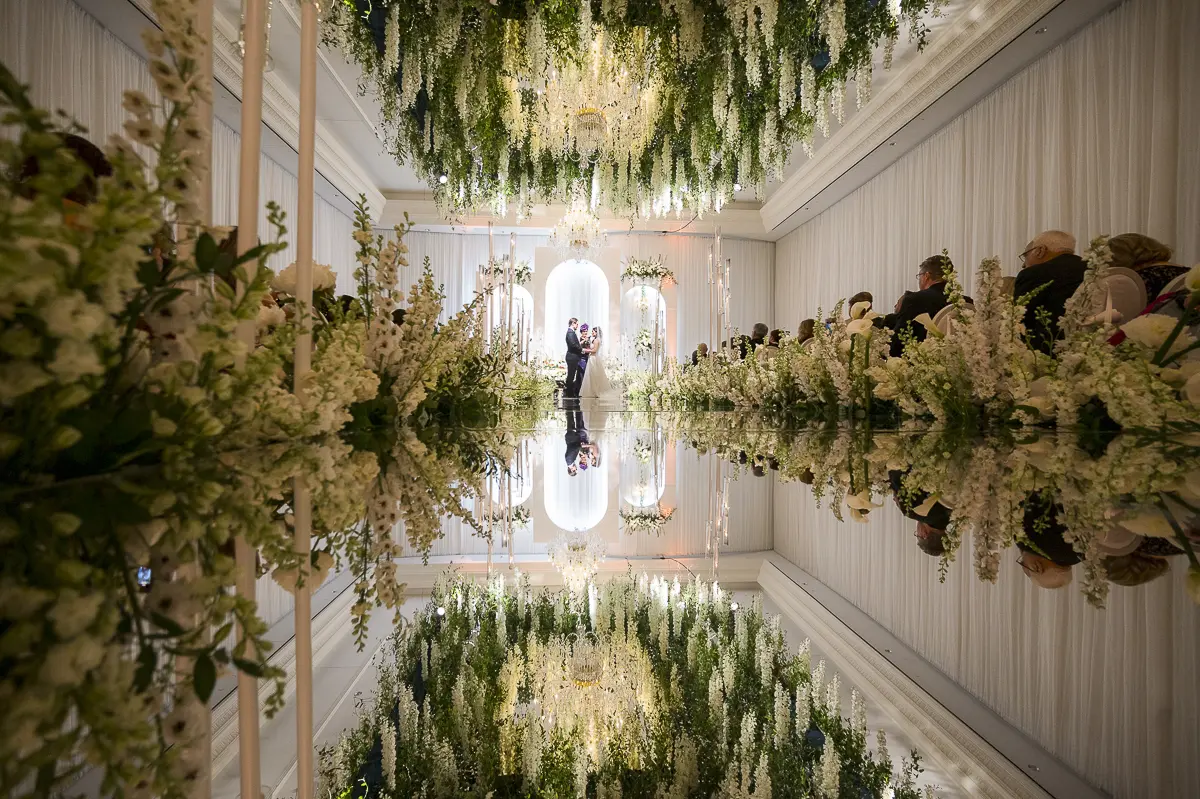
(281, 111)
(966, 45)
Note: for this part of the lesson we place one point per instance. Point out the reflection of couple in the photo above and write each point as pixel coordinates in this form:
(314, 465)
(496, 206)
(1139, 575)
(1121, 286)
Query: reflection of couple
(581, 453)
(586, 375)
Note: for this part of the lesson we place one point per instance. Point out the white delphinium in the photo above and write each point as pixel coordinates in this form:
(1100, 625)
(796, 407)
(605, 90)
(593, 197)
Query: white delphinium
(783, 715)
(804, 654)
(741, 632)
(387, 735)
(716, 699)
(762, 778)
(818, 680)
(831, 771)
(531, 749)
(341, 768)
(664, 633)
(833, 27)
(833, 697)
(881, 750)
(727, 673)
(858, 713)
(803, 714)
(748, 732)
(765, 657)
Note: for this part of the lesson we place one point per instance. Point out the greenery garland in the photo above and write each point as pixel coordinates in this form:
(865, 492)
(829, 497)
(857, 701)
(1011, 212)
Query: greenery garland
(638, 688)
(723, 90)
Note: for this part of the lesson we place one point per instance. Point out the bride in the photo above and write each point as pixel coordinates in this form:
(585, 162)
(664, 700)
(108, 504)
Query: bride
(596, 384)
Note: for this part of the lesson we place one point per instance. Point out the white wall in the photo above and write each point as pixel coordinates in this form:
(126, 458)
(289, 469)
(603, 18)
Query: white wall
(1098, 136)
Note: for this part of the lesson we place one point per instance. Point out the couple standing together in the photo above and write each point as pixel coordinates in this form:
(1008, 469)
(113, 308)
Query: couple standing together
(586, 376)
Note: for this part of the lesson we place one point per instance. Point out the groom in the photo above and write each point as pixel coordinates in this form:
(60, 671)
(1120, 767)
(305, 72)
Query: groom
(574, 367)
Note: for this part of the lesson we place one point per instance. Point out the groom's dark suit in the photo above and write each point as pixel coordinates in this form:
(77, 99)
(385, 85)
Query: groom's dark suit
(574, 372)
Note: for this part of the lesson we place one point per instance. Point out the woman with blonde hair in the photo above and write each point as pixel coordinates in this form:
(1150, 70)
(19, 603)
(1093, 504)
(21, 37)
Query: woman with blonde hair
(1150, 258)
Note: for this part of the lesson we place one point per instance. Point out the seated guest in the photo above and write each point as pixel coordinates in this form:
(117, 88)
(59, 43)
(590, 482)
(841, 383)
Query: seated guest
(1151, 259)
(929, 299)
(931, 521)
(95, 166)
(758, 337)
(771, 349)
(1046, 556)
(701, 351)
(806, 330)
(862, 296)
(1049, 263)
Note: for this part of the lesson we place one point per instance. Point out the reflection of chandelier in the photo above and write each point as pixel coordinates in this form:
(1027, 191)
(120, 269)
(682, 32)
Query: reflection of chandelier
(577, 557)
(578, 232)
(590, 127)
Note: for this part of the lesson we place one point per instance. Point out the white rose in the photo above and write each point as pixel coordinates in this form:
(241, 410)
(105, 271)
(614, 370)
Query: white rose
(1152, 330)
(270, 316)
(285, 281)
(323, 277)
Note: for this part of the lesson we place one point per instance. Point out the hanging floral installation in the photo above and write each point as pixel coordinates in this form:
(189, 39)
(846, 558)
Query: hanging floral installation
(647, 106)
(647, 270)
(645, 520)
(642, 687)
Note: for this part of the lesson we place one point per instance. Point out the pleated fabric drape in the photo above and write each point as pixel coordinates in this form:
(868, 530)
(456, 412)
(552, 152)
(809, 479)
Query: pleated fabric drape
(89, 84)
(1098, 136)
(453, 257)
(1113, 693)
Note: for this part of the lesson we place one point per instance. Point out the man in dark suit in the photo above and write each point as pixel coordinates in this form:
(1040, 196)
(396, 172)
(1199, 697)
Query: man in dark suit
(574, 353)
(931, 523)
(576, 435)
(1050, 266)
(931, 298)
(758, 338)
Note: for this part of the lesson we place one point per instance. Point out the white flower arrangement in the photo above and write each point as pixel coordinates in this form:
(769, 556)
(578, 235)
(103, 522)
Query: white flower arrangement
(640, 520)
(581, 683)
(498, 270)
(647, 270)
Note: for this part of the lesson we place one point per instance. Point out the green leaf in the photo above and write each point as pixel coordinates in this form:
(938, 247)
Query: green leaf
(147, 661)
(204, 677)
(171, 626)
(207, 251)
(251, 667)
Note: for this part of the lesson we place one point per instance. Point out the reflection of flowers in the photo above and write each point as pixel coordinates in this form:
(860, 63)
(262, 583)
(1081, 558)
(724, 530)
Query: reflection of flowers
(646, 521)
(643, 342)
(498, 269)
(520, 516)
(577, 557)
(642, 451)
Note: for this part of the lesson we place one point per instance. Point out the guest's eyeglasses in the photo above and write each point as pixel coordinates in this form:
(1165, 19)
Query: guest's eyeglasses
(1025, 254)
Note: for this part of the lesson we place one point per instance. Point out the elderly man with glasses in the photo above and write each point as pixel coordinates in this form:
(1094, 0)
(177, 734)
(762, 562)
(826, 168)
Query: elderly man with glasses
(1050, 266)
(931, 298)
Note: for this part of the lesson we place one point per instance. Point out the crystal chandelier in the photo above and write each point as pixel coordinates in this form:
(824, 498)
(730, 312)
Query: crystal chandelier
(577, 557)
(578, 233)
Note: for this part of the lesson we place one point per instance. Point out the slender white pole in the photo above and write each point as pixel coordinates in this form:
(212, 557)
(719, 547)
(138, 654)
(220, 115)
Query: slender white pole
(245, 556)
(508, 289)
(186, 235)
(303, 366)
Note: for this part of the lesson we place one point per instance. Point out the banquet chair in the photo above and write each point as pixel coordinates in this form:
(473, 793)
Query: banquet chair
(1008, 284)
(944, 319)
(807, 343)
(1121, 292)
(1174, 286)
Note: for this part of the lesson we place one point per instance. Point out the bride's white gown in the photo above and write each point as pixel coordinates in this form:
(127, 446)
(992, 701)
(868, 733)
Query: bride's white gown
(596, 384)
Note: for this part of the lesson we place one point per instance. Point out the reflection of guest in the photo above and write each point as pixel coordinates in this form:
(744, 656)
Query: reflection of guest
(1046, 556)
(932, 518)
(1144, 564)
(576, 434)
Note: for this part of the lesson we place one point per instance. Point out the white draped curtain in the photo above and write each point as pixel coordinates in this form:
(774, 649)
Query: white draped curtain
(1096, 137)
(72, 63)
(1112, 693)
